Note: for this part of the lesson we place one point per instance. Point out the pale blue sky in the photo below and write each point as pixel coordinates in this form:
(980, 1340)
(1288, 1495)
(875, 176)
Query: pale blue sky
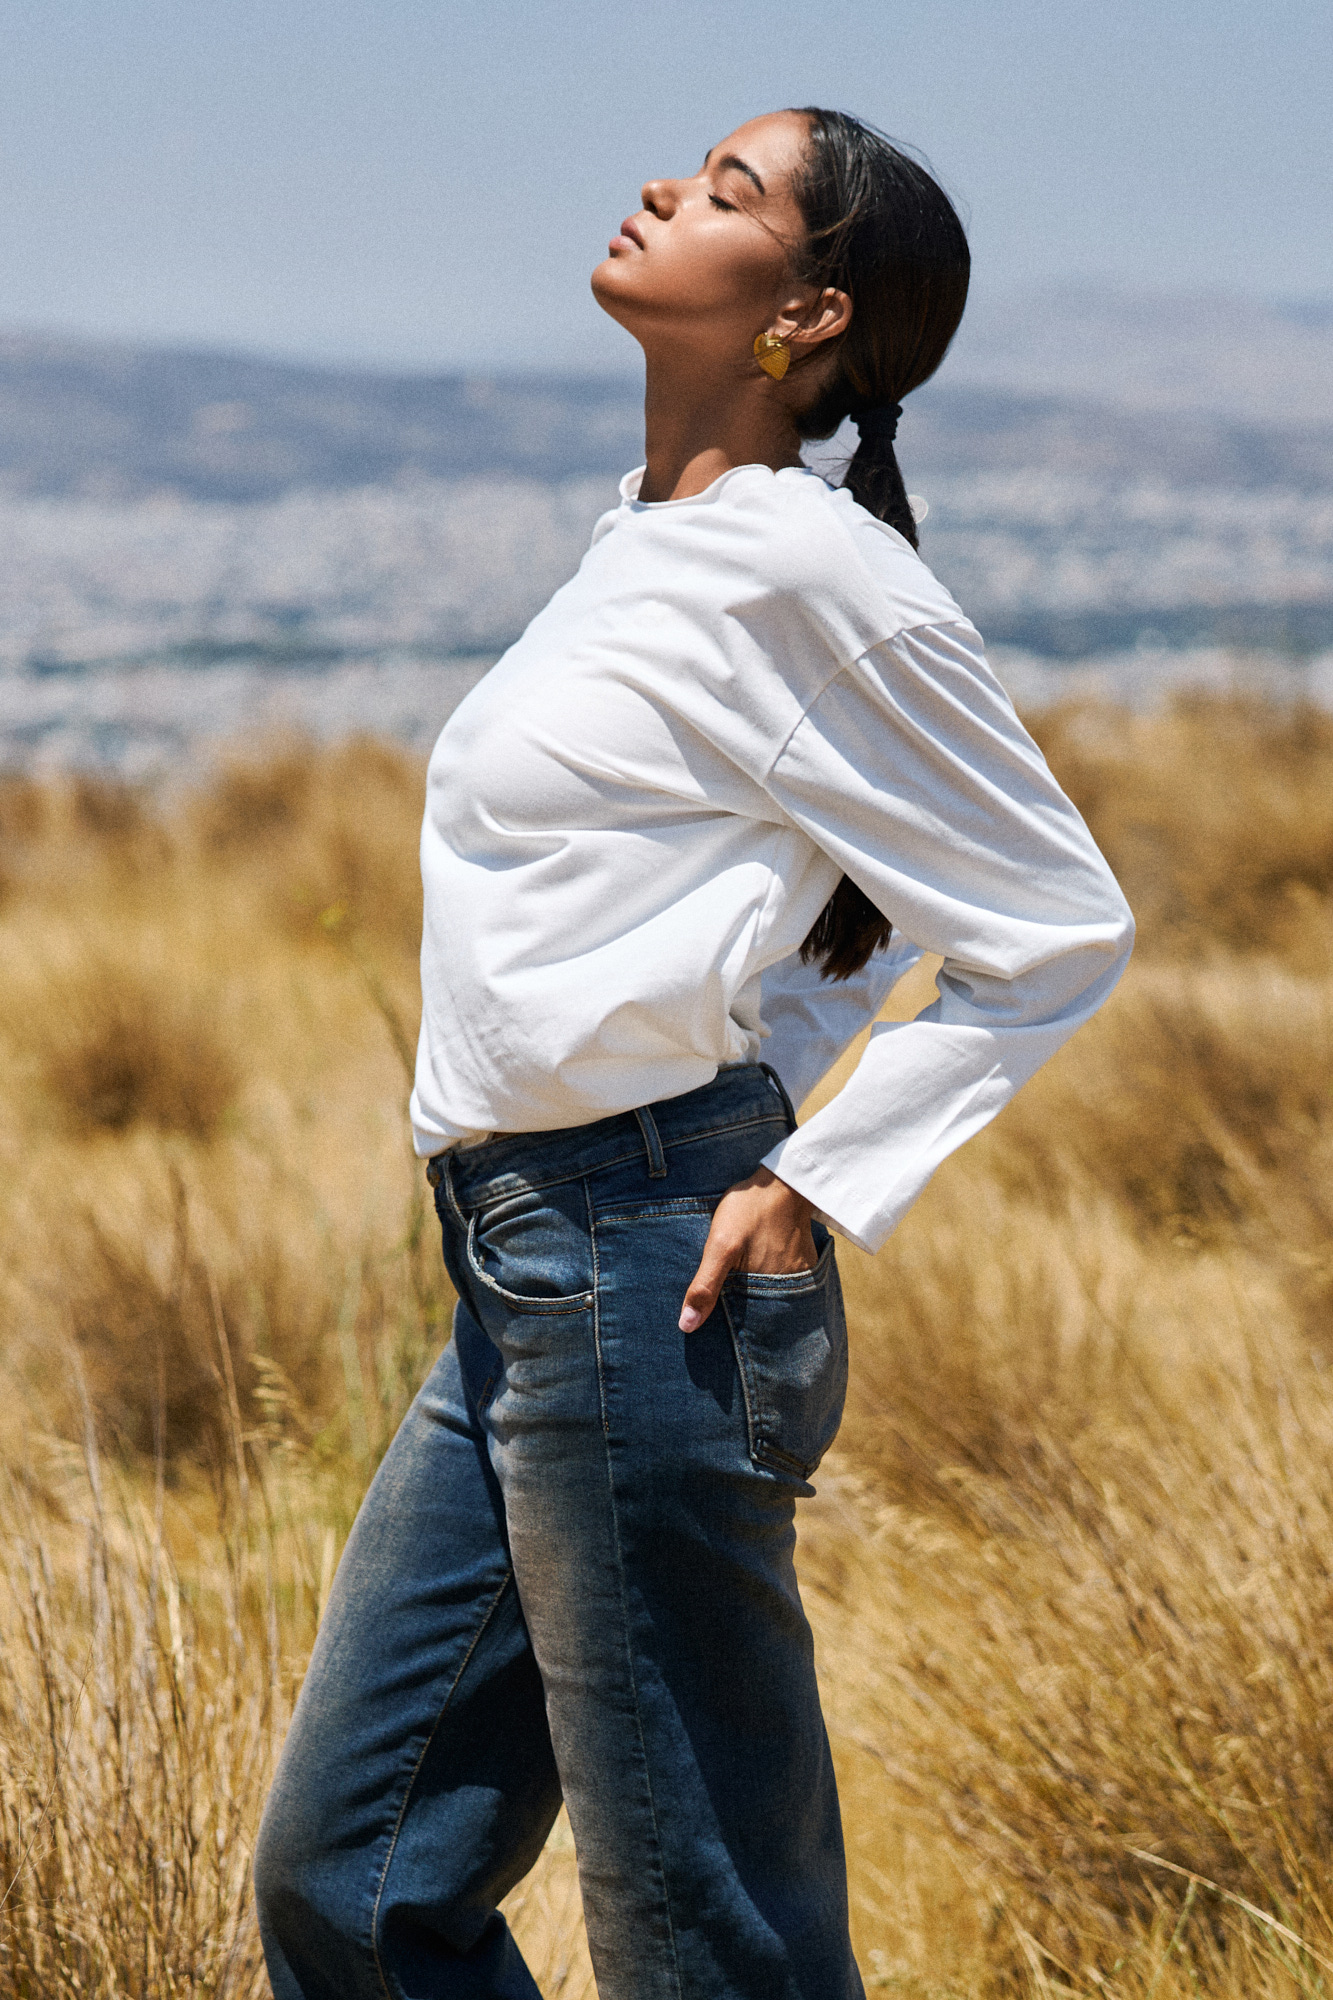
(429, 184)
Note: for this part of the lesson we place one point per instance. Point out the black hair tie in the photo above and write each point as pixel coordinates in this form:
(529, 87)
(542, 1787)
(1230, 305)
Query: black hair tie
(880, 424)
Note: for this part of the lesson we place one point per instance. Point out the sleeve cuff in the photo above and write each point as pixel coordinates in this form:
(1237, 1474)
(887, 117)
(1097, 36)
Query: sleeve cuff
(794, 1177)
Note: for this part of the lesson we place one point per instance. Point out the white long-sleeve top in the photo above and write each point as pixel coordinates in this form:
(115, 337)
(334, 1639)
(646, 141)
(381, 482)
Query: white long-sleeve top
(634, 819)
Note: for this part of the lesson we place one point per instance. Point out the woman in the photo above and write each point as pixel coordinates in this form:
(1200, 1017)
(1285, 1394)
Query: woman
(665, 842)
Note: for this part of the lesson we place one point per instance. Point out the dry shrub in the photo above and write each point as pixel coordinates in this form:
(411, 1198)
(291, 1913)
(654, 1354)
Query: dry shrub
(193, 1312)
(24, 807)
(283, 832)
(141, 1706)
(257, 798)
(1202, 1101)
(210, 1221)
(114, 811)
(334, 833)
(981, 1330)
(1217, 817)
(75, 828)
(167, 1350)
(1100, 1623)
(129, 1040)
(1089, 1608)
(23, 814)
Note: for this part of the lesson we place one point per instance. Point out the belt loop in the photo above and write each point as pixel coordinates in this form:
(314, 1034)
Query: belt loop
(781, 1090)
(657, 1165)
(446, 1165)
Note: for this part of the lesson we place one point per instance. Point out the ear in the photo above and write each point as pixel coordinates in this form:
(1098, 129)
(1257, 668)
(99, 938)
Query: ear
(806, 322)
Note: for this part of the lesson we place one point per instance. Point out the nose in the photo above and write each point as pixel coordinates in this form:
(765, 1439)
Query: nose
(660, 198)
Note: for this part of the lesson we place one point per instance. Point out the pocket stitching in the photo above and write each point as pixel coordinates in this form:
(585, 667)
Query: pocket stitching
(765, 1452)
(777, 1459)
(776, 1284)
(566, 1302)
(743, 1370)
(682, 1205)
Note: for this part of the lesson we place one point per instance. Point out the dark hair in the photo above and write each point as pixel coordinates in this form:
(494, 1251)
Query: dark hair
(879, 228)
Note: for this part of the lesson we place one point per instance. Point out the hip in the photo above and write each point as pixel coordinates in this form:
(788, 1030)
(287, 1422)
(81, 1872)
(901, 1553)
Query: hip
(583, 1241)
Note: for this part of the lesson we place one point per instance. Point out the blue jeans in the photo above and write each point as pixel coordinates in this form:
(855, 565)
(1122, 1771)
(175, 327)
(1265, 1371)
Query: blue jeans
(572, 1577)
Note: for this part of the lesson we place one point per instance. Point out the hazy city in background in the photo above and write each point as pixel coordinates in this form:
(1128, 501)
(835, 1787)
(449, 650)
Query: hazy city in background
(1127, 491)
(305, 405)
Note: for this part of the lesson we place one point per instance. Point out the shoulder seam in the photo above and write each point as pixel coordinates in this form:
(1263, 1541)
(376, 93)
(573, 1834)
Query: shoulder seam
(890, 639)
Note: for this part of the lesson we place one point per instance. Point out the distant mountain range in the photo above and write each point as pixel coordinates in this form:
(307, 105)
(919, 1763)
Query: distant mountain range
(1107, 386)
(1237, 358)
(80, 417)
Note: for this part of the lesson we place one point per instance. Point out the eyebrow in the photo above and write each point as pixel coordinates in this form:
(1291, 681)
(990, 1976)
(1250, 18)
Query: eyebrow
(742, 166)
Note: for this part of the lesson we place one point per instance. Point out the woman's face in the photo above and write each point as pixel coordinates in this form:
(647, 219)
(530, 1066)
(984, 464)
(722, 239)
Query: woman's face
(706, 262)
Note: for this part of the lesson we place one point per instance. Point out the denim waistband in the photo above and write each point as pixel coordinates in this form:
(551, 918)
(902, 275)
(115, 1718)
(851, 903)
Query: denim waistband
(740, 1094)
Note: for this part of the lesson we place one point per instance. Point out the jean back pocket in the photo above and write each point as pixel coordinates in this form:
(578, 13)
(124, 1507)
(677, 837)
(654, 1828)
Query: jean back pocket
(790, 1334)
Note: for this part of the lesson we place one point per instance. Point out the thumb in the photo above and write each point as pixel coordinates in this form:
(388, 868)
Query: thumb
(706, 1283)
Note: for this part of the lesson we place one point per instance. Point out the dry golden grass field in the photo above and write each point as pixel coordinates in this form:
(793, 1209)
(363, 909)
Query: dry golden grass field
(1071, 1565)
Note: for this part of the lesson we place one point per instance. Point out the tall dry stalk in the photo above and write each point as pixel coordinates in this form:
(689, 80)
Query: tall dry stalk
(141, 1703)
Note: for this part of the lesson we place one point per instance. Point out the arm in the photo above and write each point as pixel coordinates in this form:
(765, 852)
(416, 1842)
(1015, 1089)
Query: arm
(811, 1019)
(913, 772)
(762, 1224)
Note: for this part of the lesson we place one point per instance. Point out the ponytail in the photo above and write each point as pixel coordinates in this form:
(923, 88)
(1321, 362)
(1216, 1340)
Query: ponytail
(873, 478)
(881, 229)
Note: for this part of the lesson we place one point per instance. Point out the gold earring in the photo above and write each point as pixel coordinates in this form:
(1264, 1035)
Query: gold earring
(772, 354)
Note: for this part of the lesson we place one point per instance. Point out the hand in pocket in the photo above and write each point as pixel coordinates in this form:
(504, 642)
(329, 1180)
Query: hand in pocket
(760, 1225)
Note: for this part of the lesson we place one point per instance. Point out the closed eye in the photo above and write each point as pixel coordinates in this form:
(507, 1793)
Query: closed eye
(718, 202)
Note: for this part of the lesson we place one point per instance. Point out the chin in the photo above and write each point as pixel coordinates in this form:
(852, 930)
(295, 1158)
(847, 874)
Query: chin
(610, 289)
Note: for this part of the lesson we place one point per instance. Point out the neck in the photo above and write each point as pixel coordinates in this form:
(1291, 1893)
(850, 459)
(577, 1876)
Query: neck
(696, 429)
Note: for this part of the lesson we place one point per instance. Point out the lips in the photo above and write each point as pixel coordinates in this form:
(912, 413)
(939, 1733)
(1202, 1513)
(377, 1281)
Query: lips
(630, 228)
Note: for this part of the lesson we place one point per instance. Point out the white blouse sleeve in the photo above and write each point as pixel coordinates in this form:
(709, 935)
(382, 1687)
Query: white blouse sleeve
(811, 1019)
(914, 774)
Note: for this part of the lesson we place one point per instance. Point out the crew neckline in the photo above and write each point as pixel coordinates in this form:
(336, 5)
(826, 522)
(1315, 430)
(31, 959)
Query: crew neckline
(629, 485)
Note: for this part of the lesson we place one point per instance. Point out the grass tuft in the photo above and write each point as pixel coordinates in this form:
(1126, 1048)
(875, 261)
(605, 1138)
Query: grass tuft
(131, 1043)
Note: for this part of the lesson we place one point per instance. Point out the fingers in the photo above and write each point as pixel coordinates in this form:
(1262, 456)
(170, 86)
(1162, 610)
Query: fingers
(761, 1224)
(720, 1256)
